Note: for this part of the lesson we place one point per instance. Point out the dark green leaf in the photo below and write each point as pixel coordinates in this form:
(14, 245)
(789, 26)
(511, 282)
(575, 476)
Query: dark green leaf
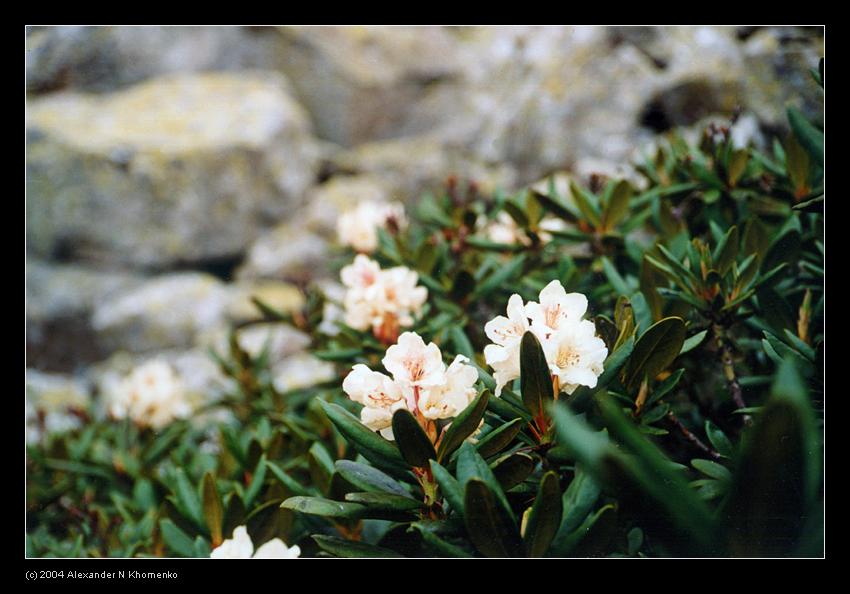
(544, 519)
(414, 444)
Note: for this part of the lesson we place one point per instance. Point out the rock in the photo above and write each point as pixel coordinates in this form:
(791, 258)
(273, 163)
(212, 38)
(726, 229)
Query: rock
(778, 64)
(362, 83)
(102, 59)
(409, 166)
(59, 302)
(290, 251)
(180, 169)
(282, 297)
(54, 403)
(168, 311)
(300, 371)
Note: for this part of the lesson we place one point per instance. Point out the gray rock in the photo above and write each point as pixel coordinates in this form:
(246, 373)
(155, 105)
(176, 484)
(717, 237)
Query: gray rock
(291, 251)
(363, 83)
(178, 169)
(169, 311)
(100, 59)
(59, 301)
(409, 166)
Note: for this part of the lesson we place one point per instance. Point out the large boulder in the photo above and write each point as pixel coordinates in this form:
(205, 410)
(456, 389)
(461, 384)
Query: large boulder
(168, 311)
(364, 83)
(100, 59)
(60, 299)
(181, 169)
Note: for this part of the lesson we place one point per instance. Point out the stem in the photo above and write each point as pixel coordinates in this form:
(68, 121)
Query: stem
(729, 372)
(693, 439)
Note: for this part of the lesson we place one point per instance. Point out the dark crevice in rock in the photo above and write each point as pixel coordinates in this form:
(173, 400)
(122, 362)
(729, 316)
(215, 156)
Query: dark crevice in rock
(654, 118)
(222, 267)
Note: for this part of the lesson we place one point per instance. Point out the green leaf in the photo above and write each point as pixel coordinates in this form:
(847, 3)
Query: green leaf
(257, 480)
(369, 478)
(544, 519)
(712, 469)
(726, 251)
(618, 283)
(213, 508)
(718, 439)
(618, 205)
(349, 548)
(737, 165)
(810, 138)
(470, 465)
(655, 350)
(415, 446)
(461, 342)
(777, 478)
(498, 439)
(498, 279)
(535, 377)
(450, 487)
(385, 501)
(439, 545)
(290, 483)
(371, 446)
(693, 342)
(319, 506)
(586, 203)
(578, 500)
(492, 532)
(783, 250)
(513, 469)
(556, 207)
(177, 540)
(187, 498)
(464, 425)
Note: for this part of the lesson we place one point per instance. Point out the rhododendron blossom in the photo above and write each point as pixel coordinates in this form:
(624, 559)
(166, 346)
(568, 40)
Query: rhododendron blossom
(358, 228)
(151, 395)
(574, 352)
(420, 383)
(383, 300)
(242, 547)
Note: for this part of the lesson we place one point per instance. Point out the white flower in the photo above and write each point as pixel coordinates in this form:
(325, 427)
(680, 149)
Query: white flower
(151, 395)
(413, 363)
(449, 399)
(241, 547)
(555, 308)
(384, 300)
(420, 383)
(504, 229)
(573, 351)
(379, 395)
(358, 227)
(506, 334)
(575, 355)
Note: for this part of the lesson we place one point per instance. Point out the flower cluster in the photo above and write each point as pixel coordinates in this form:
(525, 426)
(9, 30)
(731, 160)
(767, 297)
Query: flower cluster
(359, 227)
(503, 229)
(152, 395)
(573, 351)
(420, 383)
(384, 300)
(242, 547)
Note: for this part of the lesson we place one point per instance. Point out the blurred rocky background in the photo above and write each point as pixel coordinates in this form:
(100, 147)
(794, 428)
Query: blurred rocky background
(173, 172)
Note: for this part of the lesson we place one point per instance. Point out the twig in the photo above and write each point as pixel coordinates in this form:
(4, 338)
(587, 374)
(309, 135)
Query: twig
(693, 439)
(729, 372)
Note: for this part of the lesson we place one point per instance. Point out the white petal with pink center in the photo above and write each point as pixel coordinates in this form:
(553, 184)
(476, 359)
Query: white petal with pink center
(379, 395)
(413, 363)
(450, 398)
(506, 334)
(556, 306)
(575, 355)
